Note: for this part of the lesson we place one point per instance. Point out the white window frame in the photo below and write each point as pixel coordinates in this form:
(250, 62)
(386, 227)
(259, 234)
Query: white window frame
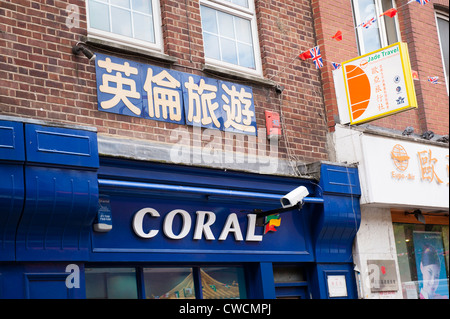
(443, 16)
(131, 42)
(380, 23)
(247, 14)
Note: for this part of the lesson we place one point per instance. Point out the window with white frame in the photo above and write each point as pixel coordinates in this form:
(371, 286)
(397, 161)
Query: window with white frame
(130, 22)
(382, 32)
(230, 35)
(442, 26)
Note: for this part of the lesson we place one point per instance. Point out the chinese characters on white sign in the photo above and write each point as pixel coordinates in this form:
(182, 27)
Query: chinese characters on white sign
(141, 90)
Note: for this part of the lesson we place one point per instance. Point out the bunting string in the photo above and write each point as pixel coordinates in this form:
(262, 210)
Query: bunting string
(315, 55)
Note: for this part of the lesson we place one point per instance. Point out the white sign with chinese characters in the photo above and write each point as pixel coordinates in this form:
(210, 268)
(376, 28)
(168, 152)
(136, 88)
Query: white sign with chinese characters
(396, 172)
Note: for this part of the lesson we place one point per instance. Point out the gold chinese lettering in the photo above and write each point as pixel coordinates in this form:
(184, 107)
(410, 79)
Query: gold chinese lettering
(163, 97)
(237, 106)
(124, 88)
(201, 103)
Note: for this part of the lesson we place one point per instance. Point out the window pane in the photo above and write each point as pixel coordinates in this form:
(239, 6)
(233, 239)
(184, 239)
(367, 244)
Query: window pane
(209, 21)
(142, 6)
(244, 28)
(226, 25)
(169, 283)
(228, 48)
(211, 43)
(443, 36)
(242, 3)
(99, 15)
(246, 56)
(143, 27)
(121, 21)
(111, 283)
(365, 10)
(390, 23)
(223, 283)
(121, 3)
(371, 39)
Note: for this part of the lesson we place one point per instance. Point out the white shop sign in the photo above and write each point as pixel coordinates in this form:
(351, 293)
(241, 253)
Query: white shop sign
(397, 172)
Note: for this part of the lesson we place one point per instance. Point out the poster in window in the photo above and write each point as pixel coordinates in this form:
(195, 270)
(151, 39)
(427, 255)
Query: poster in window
(430, 263)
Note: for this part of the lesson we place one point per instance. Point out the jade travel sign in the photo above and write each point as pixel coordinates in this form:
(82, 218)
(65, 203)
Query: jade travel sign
(136, 89)
(376, 85)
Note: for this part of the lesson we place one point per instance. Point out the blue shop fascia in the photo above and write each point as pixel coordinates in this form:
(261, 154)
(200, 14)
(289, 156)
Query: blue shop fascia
(76, 224)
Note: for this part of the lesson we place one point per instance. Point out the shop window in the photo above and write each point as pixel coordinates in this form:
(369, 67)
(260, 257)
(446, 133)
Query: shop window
(423, 260)
(169, 283)
(230, 34)
(223, 283)
(166, 283)
(290, 282)
(111, 283)
(130, 22)
(382, 32)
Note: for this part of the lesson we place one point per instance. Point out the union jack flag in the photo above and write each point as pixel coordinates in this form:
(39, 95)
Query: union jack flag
(433, 79)
(423, 2)
(368, 23)
(316, 57)
(336, 65)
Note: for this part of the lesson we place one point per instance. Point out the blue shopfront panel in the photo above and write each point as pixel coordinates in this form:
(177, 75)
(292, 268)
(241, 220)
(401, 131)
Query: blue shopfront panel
(11, 204)
(61, 146)
(11, 141)
(12, 157)
(41, 281)
(59, 209)
(178, 224)
(61, 197)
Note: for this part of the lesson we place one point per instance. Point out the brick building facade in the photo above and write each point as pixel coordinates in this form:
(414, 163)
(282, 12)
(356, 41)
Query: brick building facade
(388, 248)
(418, 28)
(43, 79)
(87, 178)
(112, 191)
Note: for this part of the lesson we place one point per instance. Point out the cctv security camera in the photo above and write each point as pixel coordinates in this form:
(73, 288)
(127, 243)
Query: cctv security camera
(87, 53)
(294, 197)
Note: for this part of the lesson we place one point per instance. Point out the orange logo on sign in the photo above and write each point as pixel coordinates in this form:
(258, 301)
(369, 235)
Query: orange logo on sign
(358, 90)
(400, 157)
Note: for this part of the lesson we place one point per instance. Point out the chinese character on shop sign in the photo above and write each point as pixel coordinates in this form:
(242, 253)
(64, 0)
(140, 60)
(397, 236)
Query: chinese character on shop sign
(164, 96)
(123, 89)
(427, 166)
(237, 106)
(201, 108)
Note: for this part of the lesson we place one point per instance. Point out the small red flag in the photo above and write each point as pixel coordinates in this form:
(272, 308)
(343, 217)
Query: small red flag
(337, 36)
(305, 55)
(390, 13)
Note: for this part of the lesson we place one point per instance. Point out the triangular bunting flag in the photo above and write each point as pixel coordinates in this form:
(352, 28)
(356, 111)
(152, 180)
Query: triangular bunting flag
(390, 13)
(337, 36)
(305, 55)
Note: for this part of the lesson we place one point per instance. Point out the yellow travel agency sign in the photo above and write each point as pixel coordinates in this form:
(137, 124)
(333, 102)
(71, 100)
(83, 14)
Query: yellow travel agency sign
(379, 84)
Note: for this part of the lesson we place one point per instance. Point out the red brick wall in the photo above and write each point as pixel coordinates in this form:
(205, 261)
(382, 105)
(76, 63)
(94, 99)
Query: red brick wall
(418, 29)
(42, 79)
